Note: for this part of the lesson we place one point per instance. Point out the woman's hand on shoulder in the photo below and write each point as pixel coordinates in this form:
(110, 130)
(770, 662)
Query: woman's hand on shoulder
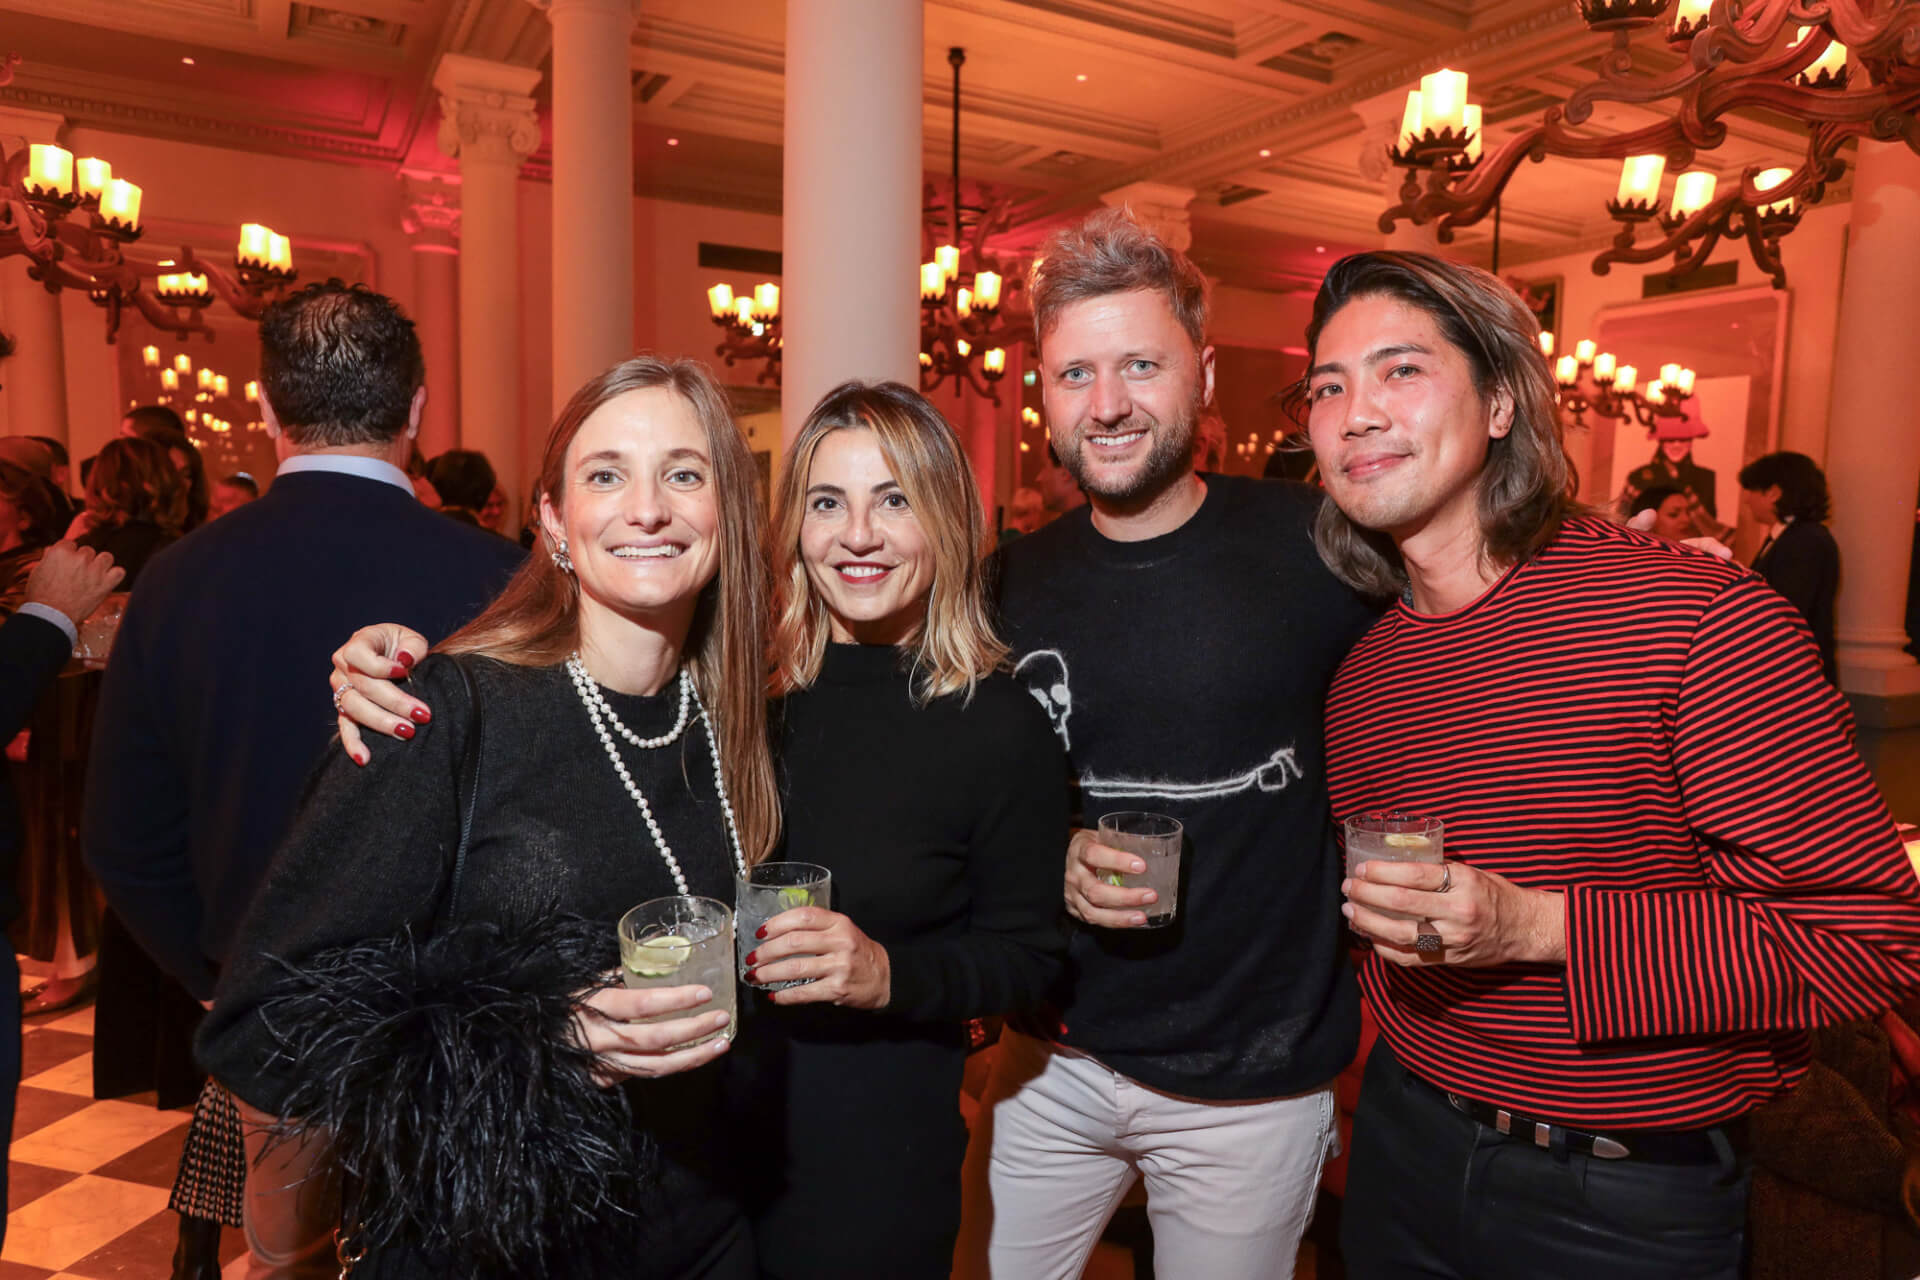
(824, 949)
(362, 684)
(607, 1022)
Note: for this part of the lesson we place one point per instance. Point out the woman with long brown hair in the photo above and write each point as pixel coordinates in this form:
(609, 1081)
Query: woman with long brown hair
(136, 504)
(614, 692)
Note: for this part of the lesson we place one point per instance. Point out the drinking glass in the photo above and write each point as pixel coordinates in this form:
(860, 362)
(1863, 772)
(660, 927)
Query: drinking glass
(98, 629)
(681, 942)
(1394, 837)
(769, 889)
(1157, 839)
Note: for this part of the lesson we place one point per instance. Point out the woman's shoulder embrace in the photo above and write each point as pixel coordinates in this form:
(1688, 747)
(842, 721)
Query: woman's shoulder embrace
(1004, 707)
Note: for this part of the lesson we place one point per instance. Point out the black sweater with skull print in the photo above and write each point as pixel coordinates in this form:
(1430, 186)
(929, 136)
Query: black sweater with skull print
(1187, 674)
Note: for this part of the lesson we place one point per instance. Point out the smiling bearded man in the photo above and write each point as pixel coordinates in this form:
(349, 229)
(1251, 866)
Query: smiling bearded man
(1667, 863)
(1180, 632)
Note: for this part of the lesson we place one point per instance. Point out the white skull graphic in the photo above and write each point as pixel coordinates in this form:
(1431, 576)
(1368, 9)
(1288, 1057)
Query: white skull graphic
(1044, 671)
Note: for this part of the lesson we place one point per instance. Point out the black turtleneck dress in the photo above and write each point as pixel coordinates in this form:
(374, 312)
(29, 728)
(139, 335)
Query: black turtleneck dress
(944, 826)
(370, 851)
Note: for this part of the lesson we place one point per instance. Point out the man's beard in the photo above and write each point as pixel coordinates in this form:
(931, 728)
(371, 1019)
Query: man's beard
(1169, 459)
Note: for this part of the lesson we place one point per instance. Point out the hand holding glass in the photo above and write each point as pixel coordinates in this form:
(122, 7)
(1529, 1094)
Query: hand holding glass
(681, 942)
(1156, 839)
(1394, 837)
(768, 890)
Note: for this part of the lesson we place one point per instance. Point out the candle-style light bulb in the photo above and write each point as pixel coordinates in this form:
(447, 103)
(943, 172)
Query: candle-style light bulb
(91, 176)
(1692, 192)
(720, 300)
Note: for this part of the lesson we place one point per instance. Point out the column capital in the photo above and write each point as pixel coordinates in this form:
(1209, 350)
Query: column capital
(486, 109)
(1382, 116)
(1159, 206)
(18, 128)
(431, 210)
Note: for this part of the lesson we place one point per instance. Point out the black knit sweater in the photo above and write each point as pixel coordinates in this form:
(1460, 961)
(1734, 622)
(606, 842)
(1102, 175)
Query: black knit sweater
(371, 851)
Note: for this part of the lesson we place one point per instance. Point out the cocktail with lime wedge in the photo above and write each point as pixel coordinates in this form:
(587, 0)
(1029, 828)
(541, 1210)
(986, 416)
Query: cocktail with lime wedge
(768, 890)
(1394, 837)
(681, 942)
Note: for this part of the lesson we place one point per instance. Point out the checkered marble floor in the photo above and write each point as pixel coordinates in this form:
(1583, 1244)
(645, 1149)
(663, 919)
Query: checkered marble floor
(87, 1187)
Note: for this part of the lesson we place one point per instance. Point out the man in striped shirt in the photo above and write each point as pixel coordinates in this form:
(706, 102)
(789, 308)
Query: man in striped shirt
(1666, 860)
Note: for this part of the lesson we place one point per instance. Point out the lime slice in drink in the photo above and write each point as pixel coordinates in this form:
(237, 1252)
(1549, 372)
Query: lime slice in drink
(661, 957)
(1405, 840)
(795, 897)
(1117, 880)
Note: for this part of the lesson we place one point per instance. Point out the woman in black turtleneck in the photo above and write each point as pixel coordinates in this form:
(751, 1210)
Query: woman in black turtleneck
(931, 785)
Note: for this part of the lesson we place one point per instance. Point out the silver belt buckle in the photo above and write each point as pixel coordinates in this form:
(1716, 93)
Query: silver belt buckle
(1608, 1149)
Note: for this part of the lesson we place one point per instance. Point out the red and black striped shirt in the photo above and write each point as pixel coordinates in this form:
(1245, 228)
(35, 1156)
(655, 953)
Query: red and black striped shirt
(1645, 728)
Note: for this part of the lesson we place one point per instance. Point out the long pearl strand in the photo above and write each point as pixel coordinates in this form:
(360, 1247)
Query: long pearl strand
(600, 714)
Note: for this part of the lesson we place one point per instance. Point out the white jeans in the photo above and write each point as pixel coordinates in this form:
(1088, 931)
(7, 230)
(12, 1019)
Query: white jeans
(1230, 1185)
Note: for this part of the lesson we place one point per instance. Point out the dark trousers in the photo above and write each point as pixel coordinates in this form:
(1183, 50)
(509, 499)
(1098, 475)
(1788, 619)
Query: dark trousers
(1433, 1193)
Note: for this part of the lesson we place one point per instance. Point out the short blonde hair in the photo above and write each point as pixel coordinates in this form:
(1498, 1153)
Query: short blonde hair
(1112, 252)
(955, 646)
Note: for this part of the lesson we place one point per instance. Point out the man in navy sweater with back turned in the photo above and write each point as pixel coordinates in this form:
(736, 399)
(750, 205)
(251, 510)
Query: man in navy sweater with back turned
(212, 715)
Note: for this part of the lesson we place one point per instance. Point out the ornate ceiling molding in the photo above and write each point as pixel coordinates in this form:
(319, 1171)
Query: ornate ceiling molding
(141, 118)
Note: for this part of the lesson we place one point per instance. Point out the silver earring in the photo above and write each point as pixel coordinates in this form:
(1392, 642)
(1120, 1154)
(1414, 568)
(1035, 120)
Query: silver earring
(561, 560)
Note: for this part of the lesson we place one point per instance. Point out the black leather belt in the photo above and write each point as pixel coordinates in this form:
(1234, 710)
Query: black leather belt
(1657, 1146)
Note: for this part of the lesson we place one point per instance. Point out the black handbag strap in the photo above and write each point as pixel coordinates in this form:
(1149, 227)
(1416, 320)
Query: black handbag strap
(467, 789)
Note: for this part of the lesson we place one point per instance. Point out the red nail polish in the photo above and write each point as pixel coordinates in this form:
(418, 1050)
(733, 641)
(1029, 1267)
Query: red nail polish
(420, 715)
(362, 759)
(405, 659)
(750, 957)
(398, 673)
(752, 976)
(761, 932)
(403, 730)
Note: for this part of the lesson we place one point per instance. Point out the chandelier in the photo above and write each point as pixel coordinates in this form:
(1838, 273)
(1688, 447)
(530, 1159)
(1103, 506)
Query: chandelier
(72, 220)
(971, 296)
(1841, 69)
(1593, 381)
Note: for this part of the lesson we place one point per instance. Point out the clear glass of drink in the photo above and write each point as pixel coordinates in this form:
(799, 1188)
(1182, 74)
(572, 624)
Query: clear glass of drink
(769, 889)
(1157, 839)
(681, 942)
(1394, 837)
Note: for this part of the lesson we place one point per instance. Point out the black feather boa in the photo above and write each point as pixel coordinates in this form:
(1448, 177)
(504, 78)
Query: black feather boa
(445, 1078)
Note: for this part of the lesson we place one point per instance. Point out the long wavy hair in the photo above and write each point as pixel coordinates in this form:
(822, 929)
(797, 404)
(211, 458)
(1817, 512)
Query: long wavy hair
(955, 645)
(134, 481)
(536, 620)
(1527, 484)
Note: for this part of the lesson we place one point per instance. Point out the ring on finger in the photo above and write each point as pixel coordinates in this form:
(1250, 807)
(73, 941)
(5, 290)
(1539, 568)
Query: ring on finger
(1427, 942)
(339, 693)
(1446, 878)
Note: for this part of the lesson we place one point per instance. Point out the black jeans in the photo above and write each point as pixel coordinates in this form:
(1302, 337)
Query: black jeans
(1433, 1193)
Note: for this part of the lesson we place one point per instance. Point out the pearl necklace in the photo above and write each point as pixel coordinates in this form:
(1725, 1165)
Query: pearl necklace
(601, 714)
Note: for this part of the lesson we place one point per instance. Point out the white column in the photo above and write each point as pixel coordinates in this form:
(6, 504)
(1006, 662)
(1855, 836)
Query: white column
(35, 377)
(1382, 117)
(592, 188)
(432, 222)
(850, 232)
(487, 120)
(1159, 207)
(1873, 443)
